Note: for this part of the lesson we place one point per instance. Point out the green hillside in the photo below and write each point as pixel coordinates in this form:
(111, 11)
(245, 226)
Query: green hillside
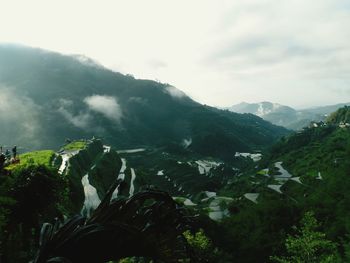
(341, 115)
(317, 160)
(36, 190)
(44, 157)
(323, 147)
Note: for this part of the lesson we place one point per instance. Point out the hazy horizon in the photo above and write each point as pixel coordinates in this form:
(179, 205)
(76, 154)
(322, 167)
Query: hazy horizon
(288, 52)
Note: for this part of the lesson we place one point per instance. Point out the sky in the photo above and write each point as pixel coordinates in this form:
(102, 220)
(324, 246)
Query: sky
(293, 52)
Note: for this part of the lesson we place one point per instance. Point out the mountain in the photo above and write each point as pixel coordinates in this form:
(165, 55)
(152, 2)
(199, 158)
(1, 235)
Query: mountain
(340, 117)
(48, 97)
(260, 109)
(326, 110)
(284, 115)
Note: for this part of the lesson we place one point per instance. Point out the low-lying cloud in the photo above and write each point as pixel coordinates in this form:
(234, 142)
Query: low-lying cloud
(106, 105)
(187, 142)
(174, 92)
(80, 120)
(19, 119)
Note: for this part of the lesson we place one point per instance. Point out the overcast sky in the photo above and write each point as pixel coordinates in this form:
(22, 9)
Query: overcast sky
(294, 52)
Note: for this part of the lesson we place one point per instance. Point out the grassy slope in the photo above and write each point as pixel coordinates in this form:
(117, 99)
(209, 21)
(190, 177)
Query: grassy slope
(43, 157)
(76, 145)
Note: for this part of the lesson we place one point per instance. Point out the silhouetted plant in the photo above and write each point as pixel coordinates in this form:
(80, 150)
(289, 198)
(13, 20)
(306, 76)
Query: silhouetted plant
(149, 224)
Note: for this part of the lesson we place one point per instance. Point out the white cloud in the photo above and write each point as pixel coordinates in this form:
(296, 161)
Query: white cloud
(187, 142)
(20, 112)
(174, 92)
(106, 105)
(80, 120)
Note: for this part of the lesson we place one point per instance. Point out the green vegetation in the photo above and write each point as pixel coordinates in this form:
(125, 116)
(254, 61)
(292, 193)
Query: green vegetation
(320, 157)
(254, 231)
(341, 115)
(309, 245)
(32, 192)
(44, 157)
(322, 149)
(198, 240)
(74, 146)
(203, 249)
(29, 196)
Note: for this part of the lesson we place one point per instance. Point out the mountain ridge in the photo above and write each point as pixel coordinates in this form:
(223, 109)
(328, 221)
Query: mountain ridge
(286, 116)
(50, 97)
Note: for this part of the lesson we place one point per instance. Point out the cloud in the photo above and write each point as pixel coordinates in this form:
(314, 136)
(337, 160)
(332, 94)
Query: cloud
(187, 142)
(88, 61)
(106, 105)
(280, 31)
(283, 51)
(80, 120)
(174, 92)
(19, 119)
(84, 119)
(157, 64)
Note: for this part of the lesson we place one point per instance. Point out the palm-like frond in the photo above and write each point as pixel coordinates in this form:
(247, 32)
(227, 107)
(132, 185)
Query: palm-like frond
(148, 224)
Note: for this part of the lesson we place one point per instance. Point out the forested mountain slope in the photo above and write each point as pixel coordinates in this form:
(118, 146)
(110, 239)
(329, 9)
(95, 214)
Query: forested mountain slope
(47, 97)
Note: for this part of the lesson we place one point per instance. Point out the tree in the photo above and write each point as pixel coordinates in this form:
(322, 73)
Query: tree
(309, 245)
(203, 250)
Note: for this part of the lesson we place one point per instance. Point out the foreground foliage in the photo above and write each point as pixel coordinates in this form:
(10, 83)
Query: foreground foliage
(309, 245)
(28, 196)
(149, 224)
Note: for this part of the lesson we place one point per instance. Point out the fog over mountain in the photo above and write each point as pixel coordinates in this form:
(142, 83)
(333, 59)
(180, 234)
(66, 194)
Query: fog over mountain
(284, 115)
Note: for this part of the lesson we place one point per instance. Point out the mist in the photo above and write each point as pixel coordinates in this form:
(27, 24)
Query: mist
(80, 120)
(106, 105)
(19, 119)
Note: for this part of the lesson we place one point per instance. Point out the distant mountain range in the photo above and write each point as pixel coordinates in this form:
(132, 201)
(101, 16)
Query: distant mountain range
(284, 115)
(47, 97)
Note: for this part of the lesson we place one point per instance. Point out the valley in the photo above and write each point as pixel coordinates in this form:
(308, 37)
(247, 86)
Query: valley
(246, 184)
(230, 194)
